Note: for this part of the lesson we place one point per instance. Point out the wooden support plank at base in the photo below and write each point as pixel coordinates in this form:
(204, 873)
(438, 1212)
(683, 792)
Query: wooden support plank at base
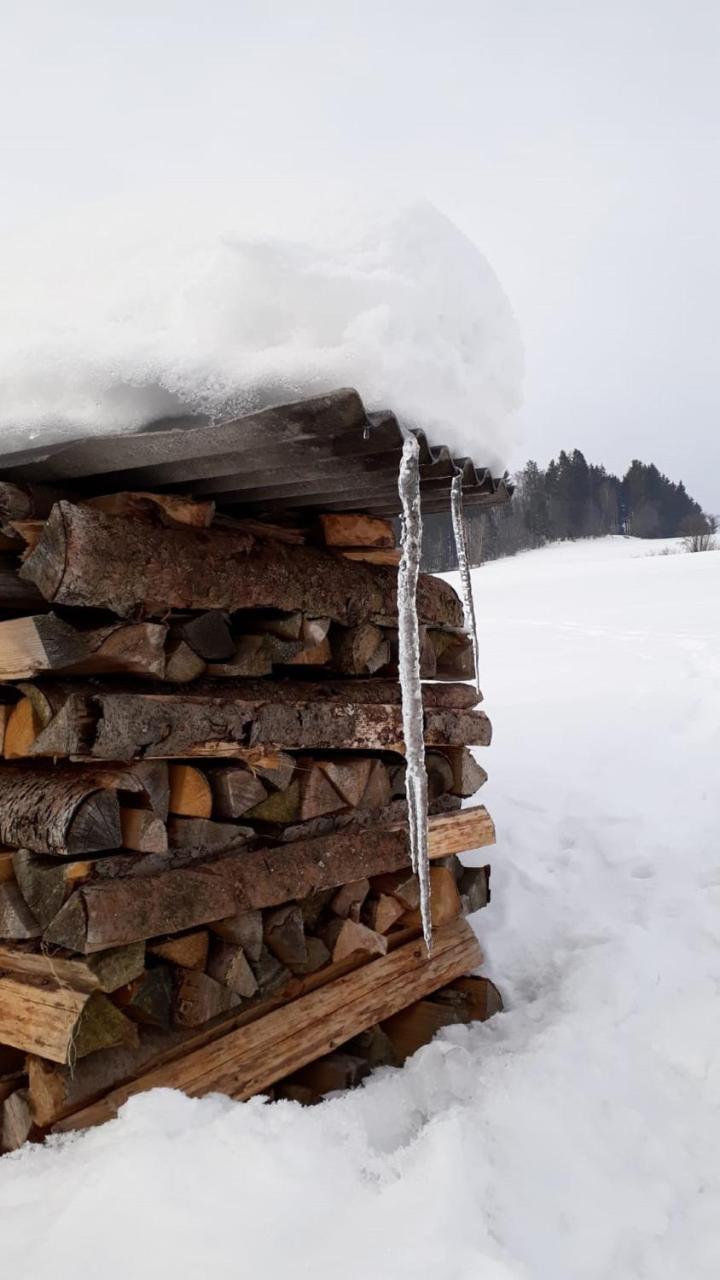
(246, 1061)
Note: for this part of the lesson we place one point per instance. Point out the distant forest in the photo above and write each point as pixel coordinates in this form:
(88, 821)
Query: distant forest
(571, 499)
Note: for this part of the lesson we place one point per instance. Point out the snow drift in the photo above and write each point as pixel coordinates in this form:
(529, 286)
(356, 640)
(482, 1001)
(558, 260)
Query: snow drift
(575, 1136)
(126, 315)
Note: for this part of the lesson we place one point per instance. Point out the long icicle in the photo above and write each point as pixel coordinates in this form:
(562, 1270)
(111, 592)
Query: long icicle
(458, 524)
(409, 665)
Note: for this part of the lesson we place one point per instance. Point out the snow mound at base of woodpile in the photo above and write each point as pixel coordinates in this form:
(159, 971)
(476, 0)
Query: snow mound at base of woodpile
(121, 316)
(576, 1135)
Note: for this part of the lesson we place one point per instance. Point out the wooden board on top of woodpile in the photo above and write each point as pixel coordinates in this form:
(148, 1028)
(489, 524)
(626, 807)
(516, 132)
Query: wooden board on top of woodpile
(97, 722)
(133, 907)
(243, 1062)
(85, 558)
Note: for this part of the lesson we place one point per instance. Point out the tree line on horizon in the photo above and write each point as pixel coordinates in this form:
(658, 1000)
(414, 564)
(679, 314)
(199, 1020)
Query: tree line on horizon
(570, 499)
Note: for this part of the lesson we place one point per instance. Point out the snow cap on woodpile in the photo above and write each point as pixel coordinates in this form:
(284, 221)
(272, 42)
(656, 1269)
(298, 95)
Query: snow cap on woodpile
(124, 315)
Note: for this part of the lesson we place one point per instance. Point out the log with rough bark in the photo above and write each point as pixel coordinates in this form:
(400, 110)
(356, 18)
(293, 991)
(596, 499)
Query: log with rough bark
(105, 971)
(89, 559)
(44, 642)
(58, 811)
(58, 1023)
(109, 725)
(243, 1062)
(117, 911)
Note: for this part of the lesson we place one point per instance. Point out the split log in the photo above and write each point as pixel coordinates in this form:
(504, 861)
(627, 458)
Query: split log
(243, 1062)
(381, 911)
(346, 937)
(356, 651)
(200, 998)
(317, 956)
(375, 1047)
(317, 795)
(317, 656)
(229, 965)
(205, 836)
(142, 831)
(209, 635)
(445, 904)
(57, 811)
(475, 998)
(251, 656)
(349, 776)
(453, 655)
(57, 1022)
(105, 971)
(30, 646)
(234, 791)
(168, 508)
(278, 806)
(17, 921)
(245, 929)
(147, 1000)
(89, 559)
(46, 883)
(356, 530)
(439, 774)
(468, 775)
(401, 885)
(284, 934)
(115, 913)
(349, 899)
(182, 664)
(329, 1074)
(314, 905)
(16, 1122)
(416, 1026)
(187, 951)
(474, 888)
(190, 792)
(270, 973)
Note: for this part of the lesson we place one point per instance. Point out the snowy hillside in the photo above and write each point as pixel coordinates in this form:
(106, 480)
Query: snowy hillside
(576, 1136)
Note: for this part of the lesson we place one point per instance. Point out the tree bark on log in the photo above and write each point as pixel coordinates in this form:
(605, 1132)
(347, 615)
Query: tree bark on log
(57, 811)
(89, 559)
(136, 726)
(44, 642)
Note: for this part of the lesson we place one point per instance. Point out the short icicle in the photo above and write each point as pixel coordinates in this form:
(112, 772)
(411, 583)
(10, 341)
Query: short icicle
(409, 665)
(458, 524)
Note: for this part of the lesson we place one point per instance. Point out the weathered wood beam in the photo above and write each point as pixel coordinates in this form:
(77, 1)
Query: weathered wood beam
(243, 1062)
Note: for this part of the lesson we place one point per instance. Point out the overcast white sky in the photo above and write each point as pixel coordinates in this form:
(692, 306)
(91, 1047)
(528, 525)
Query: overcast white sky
(576, 143)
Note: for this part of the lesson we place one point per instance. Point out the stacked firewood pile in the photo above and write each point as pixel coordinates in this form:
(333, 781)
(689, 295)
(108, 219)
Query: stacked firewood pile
(204, 866)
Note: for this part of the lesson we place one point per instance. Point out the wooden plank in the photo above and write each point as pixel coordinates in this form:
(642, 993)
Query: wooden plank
(85, 558)
(244, 1062)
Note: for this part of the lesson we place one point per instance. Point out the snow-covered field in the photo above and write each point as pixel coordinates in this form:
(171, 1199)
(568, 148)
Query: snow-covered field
(575, 1136)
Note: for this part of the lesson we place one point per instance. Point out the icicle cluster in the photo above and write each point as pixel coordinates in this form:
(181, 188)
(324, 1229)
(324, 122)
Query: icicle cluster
(458, 523)
(409, 664)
